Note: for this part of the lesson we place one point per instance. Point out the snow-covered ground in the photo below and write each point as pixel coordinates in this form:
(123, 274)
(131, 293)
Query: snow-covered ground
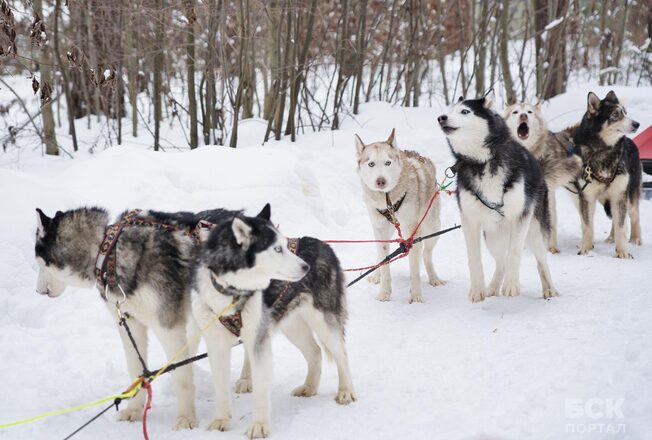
(520, 368)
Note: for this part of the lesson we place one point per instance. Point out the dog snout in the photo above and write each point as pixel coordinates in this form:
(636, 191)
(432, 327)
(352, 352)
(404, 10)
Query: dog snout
(523, 117)
(635, 125)
(442, 119)
(381, 182)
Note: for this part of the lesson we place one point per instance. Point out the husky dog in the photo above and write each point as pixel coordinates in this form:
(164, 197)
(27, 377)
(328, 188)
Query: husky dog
(398, 185)
(554, 151)
(501, 192)
(612, 173)
(245, 260)
(154, 269)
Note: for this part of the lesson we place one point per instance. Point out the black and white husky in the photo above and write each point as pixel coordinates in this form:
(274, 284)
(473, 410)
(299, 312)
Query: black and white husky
(612, 171)
(153, 278)
(501, 192)
(294, 285)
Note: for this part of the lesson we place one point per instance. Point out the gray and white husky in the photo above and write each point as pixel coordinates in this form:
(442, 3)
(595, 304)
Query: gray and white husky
(247, 261)
(612, 173)
(554, 151)
(154, 269)
(501, 192)
(406, 181)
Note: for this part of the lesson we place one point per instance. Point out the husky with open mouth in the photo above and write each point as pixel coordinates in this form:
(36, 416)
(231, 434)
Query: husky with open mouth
(501, 193)
(270, 282)
(554, 151)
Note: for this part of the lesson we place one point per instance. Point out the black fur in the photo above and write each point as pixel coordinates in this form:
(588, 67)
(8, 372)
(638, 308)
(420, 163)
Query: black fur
(609, 160)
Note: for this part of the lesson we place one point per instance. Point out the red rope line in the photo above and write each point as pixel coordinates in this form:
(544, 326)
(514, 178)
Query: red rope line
(148, 386)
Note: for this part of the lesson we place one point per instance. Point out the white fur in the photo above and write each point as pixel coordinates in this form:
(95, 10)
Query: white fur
(471, 131)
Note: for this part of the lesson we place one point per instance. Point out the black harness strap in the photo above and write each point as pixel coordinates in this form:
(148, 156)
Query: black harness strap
(392, 209)
(491, 205)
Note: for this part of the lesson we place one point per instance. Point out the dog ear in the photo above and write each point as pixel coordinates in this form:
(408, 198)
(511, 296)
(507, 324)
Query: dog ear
(593, 103)
(42, 221)
(537, 106)
(266, 212)
(611, 96)
(391, 140)
(490, 100)
(359, 144)
(241, 232)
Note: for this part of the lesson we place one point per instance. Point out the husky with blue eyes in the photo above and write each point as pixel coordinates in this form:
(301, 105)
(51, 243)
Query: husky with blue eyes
(502, 195)
(398, 186)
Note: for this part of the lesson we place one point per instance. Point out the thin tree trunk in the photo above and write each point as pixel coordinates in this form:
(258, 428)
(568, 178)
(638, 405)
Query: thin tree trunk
(504, 55)
(190, 62)
(64, 76)
(158, 67)
(44, 61)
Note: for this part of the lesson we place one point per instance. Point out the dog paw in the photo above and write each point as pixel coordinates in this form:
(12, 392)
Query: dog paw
(304, 391)
(374, 278)
(550, 293)
(185, 422)
(636, 240)
(436, 282)
(243, 386)
(624, 254)
(584, 251)
(476, 295)
(220, 424)
(344, 397)
(511, 289)
(553, 249)
(384, 296)
(130, 415)
(258, 430)
(416, 299)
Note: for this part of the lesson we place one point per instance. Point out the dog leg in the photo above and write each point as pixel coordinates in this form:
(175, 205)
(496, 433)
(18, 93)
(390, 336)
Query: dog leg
(173, 341)
(383, 233)
(471, 231)
(517, 235)
(300, 334)
(260, 354)
(587, 207)
(415, 273)
(193, 335)
(619, 213)
(134, 410)
(553, 247)
(218, 345)
(243, 384)
(536, 242)
(635, 223)
(331, 335)
(428, 247)
(497, 243)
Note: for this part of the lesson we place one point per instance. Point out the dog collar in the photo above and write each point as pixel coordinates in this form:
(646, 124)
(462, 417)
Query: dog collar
(392, 209)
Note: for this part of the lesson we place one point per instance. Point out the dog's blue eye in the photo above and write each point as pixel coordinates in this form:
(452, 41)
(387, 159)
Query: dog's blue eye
(388, 163)
(465, 112)
(371, 164)
(278, 249)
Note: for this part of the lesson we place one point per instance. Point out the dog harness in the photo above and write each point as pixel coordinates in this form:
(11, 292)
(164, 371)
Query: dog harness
(498, 207)
(106, 261)
(233, 322)
(392, 209)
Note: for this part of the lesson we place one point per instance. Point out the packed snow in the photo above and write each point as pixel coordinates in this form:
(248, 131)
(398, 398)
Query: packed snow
(506, 368)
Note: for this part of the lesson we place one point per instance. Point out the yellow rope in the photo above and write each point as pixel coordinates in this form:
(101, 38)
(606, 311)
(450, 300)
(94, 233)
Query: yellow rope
(133, 388)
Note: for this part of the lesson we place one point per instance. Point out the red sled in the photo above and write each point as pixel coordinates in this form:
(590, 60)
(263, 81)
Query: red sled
(644, 143)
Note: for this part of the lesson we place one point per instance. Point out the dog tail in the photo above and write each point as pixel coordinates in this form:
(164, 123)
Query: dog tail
(559, 172)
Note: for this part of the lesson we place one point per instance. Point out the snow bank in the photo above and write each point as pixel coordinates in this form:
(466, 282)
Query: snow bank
(502, 369)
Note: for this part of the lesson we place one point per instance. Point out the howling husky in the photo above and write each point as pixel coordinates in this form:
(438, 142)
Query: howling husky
(612, 173)
(554, 151)
(398, 185)
(501, 192)
(247, 263)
